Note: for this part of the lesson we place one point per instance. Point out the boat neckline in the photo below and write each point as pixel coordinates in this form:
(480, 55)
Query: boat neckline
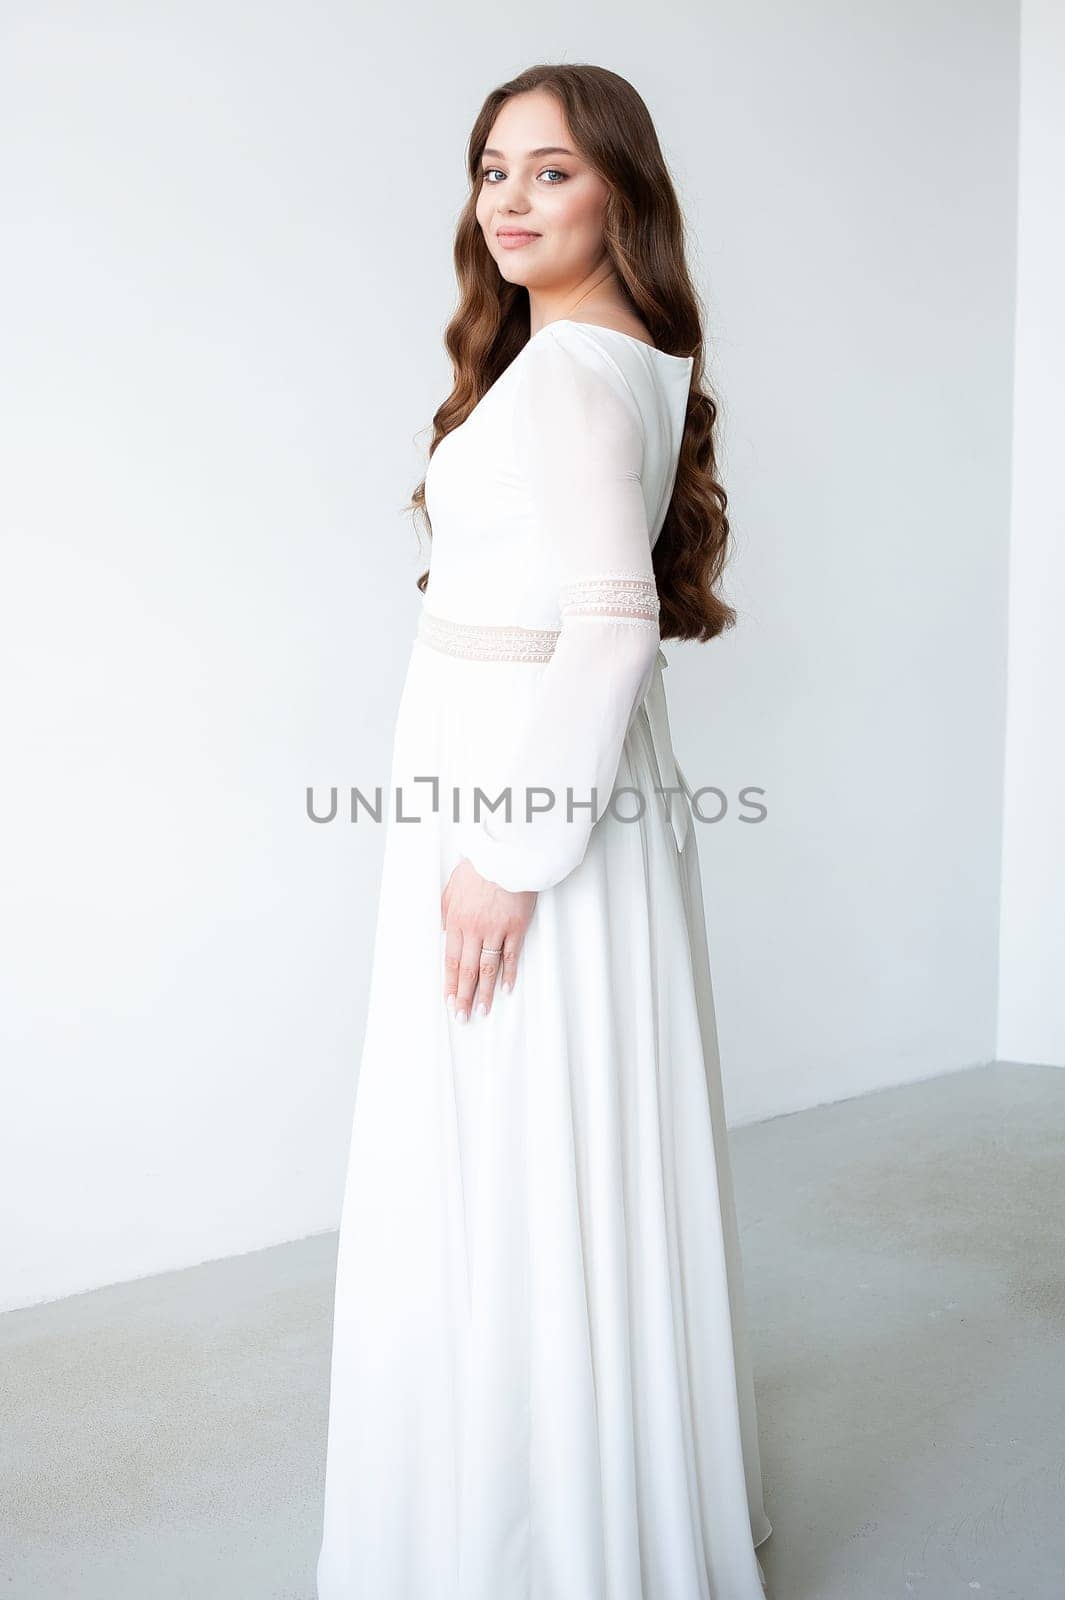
(575, 322)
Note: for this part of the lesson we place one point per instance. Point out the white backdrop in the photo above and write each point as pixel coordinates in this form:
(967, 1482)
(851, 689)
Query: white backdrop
(227, 268)
(1032, 981)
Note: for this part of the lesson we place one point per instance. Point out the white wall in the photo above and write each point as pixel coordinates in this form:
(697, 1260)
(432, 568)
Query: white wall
(856, 200)
(227, 269)
(1032, 992)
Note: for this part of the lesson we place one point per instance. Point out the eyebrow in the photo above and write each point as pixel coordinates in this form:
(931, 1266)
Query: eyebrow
(544, 150)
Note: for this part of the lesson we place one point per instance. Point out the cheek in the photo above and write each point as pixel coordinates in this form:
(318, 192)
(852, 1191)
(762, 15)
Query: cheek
(578, 219)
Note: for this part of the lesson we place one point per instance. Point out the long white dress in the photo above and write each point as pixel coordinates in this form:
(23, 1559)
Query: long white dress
(541, 1386)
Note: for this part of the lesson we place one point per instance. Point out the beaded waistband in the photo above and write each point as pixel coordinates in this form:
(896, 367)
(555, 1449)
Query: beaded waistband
(478, 643)
(617, 597)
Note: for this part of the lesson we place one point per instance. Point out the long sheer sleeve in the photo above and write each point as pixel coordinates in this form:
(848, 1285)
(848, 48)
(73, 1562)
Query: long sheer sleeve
(579, 443)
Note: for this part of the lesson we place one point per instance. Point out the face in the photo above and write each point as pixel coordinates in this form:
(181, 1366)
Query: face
(534, 182)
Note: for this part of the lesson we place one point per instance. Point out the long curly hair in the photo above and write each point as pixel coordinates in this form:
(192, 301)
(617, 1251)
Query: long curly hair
(644, 238)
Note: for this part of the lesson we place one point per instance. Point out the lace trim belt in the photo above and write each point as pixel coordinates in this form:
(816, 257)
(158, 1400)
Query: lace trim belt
(622, 599)
(479, 643)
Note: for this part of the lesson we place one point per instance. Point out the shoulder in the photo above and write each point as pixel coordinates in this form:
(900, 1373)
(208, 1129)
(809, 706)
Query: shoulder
(574, 411)
(570, 359)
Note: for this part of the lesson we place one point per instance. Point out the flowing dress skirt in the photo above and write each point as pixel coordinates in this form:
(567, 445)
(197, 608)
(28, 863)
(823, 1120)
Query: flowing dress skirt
(541, 1386)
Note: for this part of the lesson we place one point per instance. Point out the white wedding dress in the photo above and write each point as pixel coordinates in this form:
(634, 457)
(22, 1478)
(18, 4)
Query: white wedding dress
(541, 1387)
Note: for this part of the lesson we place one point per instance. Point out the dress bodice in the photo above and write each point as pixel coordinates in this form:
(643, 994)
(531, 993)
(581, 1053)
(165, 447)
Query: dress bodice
(546, 503)
(487, 560)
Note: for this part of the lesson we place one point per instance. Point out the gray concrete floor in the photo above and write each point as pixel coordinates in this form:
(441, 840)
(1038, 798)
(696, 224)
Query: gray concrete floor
(906, 1283)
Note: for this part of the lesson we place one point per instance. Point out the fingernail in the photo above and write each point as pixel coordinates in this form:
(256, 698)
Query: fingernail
(482, 1010)
(450, 1002)
(460, 1016)
(507, 986)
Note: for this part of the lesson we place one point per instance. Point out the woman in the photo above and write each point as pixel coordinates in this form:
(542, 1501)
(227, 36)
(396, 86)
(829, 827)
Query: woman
(540, 1382)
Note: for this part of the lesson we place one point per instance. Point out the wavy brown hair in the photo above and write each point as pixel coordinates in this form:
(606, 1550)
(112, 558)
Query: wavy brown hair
(644, 237)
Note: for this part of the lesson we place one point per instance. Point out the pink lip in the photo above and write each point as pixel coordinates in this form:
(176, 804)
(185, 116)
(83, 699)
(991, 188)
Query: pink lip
(512, 238)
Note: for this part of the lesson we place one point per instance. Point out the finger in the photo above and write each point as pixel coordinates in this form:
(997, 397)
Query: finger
(509, 971)
(490, 964)
(469, 972)
(452, 962)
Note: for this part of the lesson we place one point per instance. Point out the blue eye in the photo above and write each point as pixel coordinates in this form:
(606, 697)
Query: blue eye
(486, 171)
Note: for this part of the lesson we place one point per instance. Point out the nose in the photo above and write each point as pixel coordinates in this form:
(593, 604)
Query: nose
(505, 205)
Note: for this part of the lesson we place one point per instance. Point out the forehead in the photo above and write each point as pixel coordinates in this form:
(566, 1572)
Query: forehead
(529, 125)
